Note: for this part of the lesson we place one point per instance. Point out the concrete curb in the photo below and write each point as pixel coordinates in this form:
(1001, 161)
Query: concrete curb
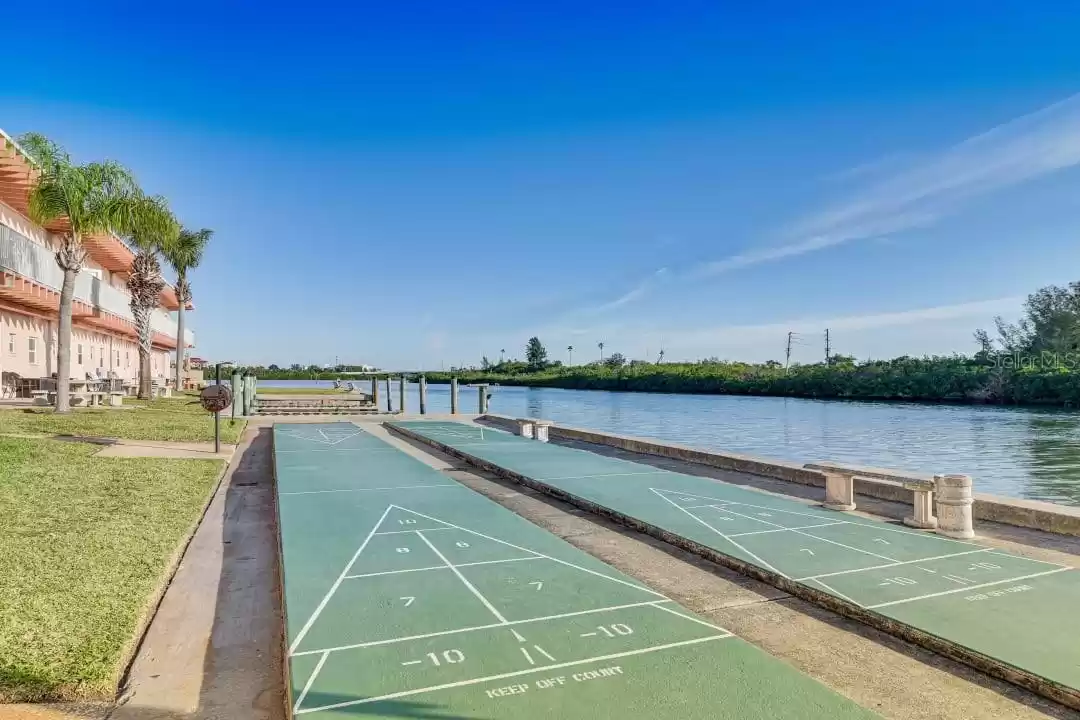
(872, 482)
(132, 650)
(1042, 686)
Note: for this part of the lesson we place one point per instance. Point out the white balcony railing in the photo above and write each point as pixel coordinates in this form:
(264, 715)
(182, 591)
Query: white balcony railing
(19, 254)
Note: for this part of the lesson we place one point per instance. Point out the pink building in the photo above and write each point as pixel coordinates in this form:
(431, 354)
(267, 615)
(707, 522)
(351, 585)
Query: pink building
(103, 335)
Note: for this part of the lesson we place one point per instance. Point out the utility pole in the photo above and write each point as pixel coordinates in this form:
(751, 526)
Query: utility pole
(826, 346)
(787, 354)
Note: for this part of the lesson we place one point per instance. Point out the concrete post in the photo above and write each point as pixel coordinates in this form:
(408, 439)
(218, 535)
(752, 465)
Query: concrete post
(243, 396)
(375, 392)
(423, 395)
(540, 429)
(482, 398)
(839, 491)
(525, 427)
(401, 394)
(954, 506)
(923, 513)
(453, 395)
(236, 402)
(389, 402)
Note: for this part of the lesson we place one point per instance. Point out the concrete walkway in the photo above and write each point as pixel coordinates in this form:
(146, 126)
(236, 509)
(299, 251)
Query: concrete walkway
(119, 447)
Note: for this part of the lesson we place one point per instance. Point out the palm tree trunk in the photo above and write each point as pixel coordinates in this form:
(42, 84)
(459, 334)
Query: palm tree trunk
(63, 342)
(179, 346)
(70, 256)
(141, 313)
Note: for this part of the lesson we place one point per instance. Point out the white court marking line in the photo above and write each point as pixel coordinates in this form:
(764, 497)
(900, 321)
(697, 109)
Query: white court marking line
(870, 524)
(718, 504)
(310, 682)
(534, 552)
(802, 527)
(341, 450)
(839, 594)
(343, 490)
(540, 668)
(407, 532)
(337, 583)
(442, 567)
(391, 641)
(1021, 557)
(602, 475)
(889, 565)
(323, 434)
(733, 542)
(803, 532)
(692, 619)
(465, 580)
(966, 589)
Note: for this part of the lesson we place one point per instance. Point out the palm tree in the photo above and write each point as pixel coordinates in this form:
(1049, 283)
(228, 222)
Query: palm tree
(501, 353)
(98, 197)
(185, 254)
(660, 359)
(153, 232)
(570, 349)
(601, 346)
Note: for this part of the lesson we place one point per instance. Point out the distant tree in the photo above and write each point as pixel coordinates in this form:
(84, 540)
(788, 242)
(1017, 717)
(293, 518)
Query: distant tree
(485, 364)
(615, 360)
(273, 368)
(1051, 323)
(535, 354)
(773, 364)
(296, 367)
(842, 360)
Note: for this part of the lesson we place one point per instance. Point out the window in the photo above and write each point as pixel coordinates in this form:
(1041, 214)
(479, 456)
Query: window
(91, 352)
(127, 358)
(78, 354)
(11, 343)
(31, 345)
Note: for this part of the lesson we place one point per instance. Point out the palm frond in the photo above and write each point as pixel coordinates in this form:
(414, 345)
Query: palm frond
(47, 154)
(147, 223)
(188, 250)
(48, 200)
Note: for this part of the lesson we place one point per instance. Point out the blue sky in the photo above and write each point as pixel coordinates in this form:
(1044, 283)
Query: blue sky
(420, 184)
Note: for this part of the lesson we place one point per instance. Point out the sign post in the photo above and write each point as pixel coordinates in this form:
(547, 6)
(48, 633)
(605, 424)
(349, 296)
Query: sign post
(216, 398)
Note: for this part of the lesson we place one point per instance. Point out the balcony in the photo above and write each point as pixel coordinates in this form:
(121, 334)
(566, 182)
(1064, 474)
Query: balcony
(30, 276)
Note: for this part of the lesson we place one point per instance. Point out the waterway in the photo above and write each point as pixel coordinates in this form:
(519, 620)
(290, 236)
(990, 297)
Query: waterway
(1018, 452)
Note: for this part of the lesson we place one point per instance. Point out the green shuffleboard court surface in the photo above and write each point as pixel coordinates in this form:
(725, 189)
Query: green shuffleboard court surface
(1015, 610)
(408, 595)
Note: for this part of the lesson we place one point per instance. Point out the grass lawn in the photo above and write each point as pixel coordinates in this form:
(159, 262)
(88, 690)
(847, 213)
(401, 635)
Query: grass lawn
(84, 545)
(305, 391)
(165, 419)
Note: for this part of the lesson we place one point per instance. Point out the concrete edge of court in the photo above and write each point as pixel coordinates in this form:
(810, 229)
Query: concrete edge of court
(1070, 697)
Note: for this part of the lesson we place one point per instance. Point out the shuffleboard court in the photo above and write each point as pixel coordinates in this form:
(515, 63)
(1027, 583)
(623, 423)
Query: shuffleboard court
(1013, 611)
(409, 595)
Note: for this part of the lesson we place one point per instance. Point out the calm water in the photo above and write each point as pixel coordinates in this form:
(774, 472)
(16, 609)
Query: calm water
(1028, 453)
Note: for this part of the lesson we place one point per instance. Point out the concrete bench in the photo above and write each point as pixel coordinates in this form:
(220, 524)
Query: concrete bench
(540, 429)
(923, 515)
(524, 427)
(40, 397)
(97, 398)
(116, 398)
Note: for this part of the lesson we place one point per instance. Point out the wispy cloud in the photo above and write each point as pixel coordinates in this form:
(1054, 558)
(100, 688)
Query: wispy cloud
(633, 294)
(1017, 151)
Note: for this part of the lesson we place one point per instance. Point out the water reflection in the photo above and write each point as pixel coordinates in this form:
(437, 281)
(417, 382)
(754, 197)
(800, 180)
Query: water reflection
(1020, 452)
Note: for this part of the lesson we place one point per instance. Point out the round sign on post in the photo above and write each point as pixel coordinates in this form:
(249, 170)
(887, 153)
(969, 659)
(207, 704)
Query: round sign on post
(216, 398)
